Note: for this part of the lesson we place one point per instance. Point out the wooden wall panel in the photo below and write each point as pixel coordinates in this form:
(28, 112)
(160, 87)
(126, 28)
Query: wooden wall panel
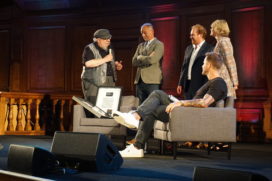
(46, 59)
(171, 64)
(247, 26)
(268, 47)
(247, 37)
(81, 36)
(17, 79)
(4, 59)
(124, 51)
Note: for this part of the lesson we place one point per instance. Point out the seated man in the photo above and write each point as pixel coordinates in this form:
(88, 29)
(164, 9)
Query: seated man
(158, 105)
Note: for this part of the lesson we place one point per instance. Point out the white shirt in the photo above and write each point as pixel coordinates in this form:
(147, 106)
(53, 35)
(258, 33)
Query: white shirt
(192, 59)
(147, 43)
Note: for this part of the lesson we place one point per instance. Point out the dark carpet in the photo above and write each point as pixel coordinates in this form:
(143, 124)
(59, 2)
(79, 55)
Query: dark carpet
(256, 158)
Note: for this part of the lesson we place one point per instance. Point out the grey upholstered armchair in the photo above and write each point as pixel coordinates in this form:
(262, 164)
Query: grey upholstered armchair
(100, 125)
(213, 124)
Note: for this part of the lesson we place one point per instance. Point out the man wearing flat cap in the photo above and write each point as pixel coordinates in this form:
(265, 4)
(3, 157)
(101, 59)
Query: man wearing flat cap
(99, 65)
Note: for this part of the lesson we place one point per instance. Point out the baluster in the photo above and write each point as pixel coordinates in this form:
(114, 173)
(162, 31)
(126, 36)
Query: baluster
(55, 101)
(19, 126)
(3, 114)
(10, 123)
(37, 117)
(28, 117)
(70, 115)
(267, 120)
(61, 116)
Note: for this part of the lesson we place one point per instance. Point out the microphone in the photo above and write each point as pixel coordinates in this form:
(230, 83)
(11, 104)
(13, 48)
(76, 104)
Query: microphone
(110, 53)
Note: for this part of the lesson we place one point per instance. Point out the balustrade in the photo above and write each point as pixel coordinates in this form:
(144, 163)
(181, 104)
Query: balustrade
(267, 123)
(20, 113)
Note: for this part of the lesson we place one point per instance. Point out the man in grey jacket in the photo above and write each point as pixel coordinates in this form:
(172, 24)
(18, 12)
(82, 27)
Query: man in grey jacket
(148, 59)
(99, 66)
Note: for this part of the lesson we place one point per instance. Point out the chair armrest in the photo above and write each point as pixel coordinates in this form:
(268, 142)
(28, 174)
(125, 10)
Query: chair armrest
(203, 124)
(79, 111)
(78, 114)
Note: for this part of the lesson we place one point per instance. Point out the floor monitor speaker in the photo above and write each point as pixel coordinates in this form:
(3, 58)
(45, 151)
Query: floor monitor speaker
(86, 151)
(30, 160)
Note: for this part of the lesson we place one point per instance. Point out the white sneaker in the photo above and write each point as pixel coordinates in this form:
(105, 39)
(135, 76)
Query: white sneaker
(132, 151)
(126, 119)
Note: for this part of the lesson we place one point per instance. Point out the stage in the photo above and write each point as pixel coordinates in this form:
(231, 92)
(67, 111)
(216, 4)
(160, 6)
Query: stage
(251, 157)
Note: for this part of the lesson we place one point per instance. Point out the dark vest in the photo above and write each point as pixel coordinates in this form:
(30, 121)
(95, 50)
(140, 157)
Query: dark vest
(97, 75)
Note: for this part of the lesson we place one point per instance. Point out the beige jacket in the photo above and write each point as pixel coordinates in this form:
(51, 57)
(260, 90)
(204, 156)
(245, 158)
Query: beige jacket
(148, 60)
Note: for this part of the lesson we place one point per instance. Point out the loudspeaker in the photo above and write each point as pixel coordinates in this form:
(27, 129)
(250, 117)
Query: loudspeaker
(86, 151)
(30, 160)
(215, 174)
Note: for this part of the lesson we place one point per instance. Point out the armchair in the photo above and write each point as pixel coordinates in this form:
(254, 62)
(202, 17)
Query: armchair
(213, 124)
(100, 125)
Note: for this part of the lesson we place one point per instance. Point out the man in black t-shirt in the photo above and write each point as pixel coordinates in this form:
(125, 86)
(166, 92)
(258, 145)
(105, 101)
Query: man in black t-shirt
(99, 66)
(158, 105)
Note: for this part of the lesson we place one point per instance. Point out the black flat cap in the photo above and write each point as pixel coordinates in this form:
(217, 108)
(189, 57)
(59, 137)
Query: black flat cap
(102, 33)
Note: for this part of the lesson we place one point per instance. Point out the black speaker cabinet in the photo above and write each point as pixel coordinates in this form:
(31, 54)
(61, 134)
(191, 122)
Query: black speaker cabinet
(215, 174)
(30, 160)
(86, 151)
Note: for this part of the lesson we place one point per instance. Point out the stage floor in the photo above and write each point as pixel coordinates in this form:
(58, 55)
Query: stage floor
(255, 158)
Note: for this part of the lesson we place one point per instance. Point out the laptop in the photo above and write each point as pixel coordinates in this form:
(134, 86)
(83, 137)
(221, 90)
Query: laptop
(98, 112)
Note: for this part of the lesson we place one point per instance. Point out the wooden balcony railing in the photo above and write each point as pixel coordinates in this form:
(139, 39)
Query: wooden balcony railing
(267, 123)
(34, 113)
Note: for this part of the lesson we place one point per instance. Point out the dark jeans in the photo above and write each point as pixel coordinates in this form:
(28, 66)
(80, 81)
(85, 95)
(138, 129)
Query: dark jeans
(143, 90)
(152, 109)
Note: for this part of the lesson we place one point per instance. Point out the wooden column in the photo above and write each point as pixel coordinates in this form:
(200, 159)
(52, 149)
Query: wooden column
(28, 117)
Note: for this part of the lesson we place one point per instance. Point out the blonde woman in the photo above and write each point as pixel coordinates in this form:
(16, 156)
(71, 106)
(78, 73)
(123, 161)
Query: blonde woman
(220, 30)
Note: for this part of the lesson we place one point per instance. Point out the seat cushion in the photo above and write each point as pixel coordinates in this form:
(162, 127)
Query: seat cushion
(159, 125)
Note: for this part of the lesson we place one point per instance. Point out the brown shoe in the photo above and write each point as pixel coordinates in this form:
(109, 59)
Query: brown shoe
(202, 146)
(187, 144)
(129, 142)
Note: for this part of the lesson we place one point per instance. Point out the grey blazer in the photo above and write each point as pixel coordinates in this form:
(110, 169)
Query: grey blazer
(148, 61)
